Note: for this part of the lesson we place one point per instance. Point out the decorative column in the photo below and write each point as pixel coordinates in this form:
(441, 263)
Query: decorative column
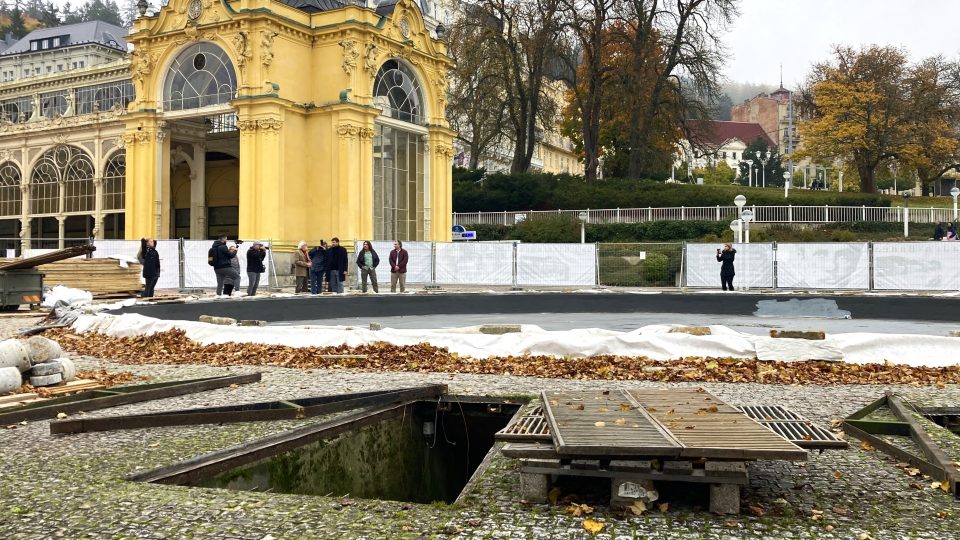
(198, 192)
(441, 184)
(147, 177)
(24, 213)
(98, 205)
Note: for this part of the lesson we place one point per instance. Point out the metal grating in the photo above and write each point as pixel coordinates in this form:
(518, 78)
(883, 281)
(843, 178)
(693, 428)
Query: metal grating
(529, 427)
(793, 427)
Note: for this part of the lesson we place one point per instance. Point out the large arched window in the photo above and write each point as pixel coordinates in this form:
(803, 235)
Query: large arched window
(114, 182)
(397, 90)
(200, 76)
(10, 199)
(65, 166)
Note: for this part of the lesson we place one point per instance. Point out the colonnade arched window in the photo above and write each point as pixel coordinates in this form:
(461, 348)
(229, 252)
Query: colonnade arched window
(399, 155)
(10, 204)
(62, 181)
(114, 182)
(200, 76)
(397, 90)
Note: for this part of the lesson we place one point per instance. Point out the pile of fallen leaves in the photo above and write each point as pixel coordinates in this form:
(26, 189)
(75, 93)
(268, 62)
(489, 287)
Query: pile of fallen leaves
(173, 347)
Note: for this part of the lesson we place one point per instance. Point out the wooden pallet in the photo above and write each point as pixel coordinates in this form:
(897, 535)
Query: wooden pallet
(101, 277)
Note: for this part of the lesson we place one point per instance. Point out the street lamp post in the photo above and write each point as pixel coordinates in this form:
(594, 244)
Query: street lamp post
(906, 214)
(764, 158)
(954, 192)
(739, 200)
(750, 173)
(786, 184)
(747, 217)
(583, 226)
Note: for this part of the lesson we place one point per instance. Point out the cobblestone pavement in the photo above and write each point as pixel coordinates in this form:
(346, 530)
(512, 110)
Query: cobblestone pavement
(73, 487)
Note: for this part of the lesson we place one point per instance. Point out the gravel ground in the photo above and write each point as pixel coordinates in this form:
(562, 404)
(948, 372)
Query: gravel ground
(73, 487)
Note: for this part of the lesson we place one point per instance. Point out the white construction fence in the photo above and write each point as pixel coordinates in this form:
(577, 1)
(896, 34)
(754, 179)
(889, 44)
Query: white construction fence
(863, 266)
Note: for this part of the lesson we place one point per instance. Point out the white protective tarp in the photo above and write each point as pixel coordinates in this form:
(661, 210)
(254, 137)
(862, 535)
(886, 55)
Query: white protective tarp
(823, 266)
(921, 266)
(557, 264)
(753, 266)
(474, 263)
(67, 295)
(169, 251)
(198, 274)
(419, 261)
(656, 342)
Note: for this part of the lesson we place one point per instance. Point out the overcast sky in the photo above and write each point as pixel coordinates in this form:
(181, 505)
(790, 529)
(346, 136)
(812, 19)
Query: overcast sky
(798, 33)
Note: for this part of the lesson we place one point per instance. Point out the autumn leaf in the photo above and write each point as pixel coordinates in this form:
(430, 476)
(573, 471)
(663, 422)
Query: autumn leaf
(626, 407)
(865, 536)
(637, 508)
(756, 510)
(592, 527)
(867, 446)
(663, 507)
(578, 510)
(712, 408)
(837, 475)
(600, 424)
(579, 407)
(912, 471)
(603, 409)
(553, 495)
(620, 421)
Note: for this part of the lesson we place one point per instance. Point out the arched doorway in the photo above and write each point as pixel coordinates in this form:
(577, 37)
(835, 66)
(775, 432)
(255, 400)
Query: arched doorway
(204, 180)
(399, 165)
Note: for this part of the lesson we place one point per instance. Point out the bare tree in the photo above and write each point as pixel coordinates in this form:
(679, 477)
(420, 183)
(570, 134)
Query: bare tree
(587, 69)
(475, 108)
(677, 47)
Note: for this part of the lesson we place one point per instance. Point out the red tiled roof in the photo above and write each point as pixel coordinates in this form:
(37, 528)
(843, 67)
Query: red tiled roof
(716, 133)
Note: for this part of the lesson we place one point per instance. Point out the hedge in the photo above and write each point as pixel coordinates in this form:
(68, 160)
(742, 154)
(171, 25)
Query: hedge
(475, 191)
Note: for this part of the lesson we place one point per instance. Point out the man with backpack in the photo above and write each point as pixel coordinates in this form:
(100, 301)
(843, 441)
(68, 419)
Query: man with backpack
(218, 256)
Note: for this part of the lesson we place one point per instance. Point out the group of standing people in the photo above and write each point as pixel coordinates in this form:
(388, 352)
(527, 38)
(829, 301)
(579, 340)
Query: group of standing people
(950, 234)
(226, 265)
(323, 264)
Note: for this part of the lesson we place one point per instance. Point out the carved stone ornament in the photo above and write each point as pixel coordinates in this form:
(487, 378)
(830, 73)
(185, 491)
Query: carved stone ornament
(269, 124)
(444, 150)
(194, 9)
(348, 131)
(367, 133)
(141, 64)
(242, 44)
(266, 47)
(370, 57)
(350, 55)
(404, 27)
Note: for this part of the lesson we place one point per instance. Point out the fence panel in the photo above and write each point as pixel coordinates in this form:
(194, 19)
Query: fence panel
(557, 264)
(823, 265)
(419, 267)
(198, 274)
(474, 263)
(640, 265)
(169, 251)
(753, 265)
(926, 266)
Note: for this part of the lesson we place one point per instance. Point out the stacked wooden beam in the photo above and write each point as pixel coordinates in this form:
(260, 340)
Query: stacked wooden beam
(101, 277)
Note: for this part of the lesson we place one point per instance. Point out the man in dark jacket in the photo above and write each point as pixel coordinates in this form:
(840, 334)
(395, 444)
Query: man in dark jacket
(398, 267)
(255, 256)
(318, 258)
(151, 265)
(938, 232)
(336, 265)
(226, 275)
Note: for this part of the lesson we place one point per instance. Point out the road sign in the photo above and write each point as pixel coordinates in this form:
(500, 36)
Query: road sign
(458, 229)
(465, 235)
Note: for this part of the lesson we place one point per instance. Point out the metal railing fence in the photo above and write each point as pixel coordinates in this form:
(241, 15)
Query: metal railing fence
(762, 214)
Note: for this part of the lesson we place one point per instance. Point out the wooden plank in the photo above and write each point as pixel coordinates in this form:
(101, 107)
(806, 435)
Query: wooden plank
(891, 449)
(696, 476)
(529, 450)
(601, 423)
(13, 398)
(927, 445)
(878, 427)
(708, 427)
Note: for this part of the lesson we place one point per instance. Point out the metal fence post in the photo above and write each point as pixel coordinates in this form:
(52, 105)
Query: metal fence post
(683, 211)
(514, 277)
(182, 265)
(826, 213)
(864, 208)
(596, 265)
(718, 212)
(776, 265)
(683, 264)
(618, 214)
(872, 268)
(433, 263)
(649, 213)
(504, 218)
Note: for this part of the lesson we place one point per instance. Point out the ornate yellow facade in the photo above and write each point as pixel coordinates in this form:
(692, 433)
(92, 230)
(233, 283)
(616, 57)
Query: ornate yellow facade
(334, 122)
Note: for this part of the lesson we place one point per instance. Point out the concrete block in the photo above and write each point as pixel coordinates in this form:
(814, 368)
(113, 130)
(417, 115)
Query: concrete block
(46, 368)
(641, 466)
(796, 334)
(46, 380)
(534, 487)
(251, 322)
(376, 326)
(585, 464)
(677, 467)
(498, 329)
(725, 498)
(211, 319)
(725, 468)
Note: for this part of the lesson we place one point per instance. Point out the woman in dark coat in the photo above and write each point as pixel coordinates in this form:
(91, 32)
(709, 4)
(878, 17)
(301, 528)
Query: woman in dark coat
(726, 257)
(151, 265)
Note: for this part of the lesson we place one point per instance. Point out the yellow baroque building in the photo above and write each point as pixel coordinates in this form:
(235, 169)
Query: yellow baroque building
(339, 117)
(267, 119)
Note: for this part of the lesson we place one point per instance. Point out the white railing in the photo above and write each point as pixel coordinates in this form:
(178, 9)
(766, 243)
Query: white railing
(762, 214)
